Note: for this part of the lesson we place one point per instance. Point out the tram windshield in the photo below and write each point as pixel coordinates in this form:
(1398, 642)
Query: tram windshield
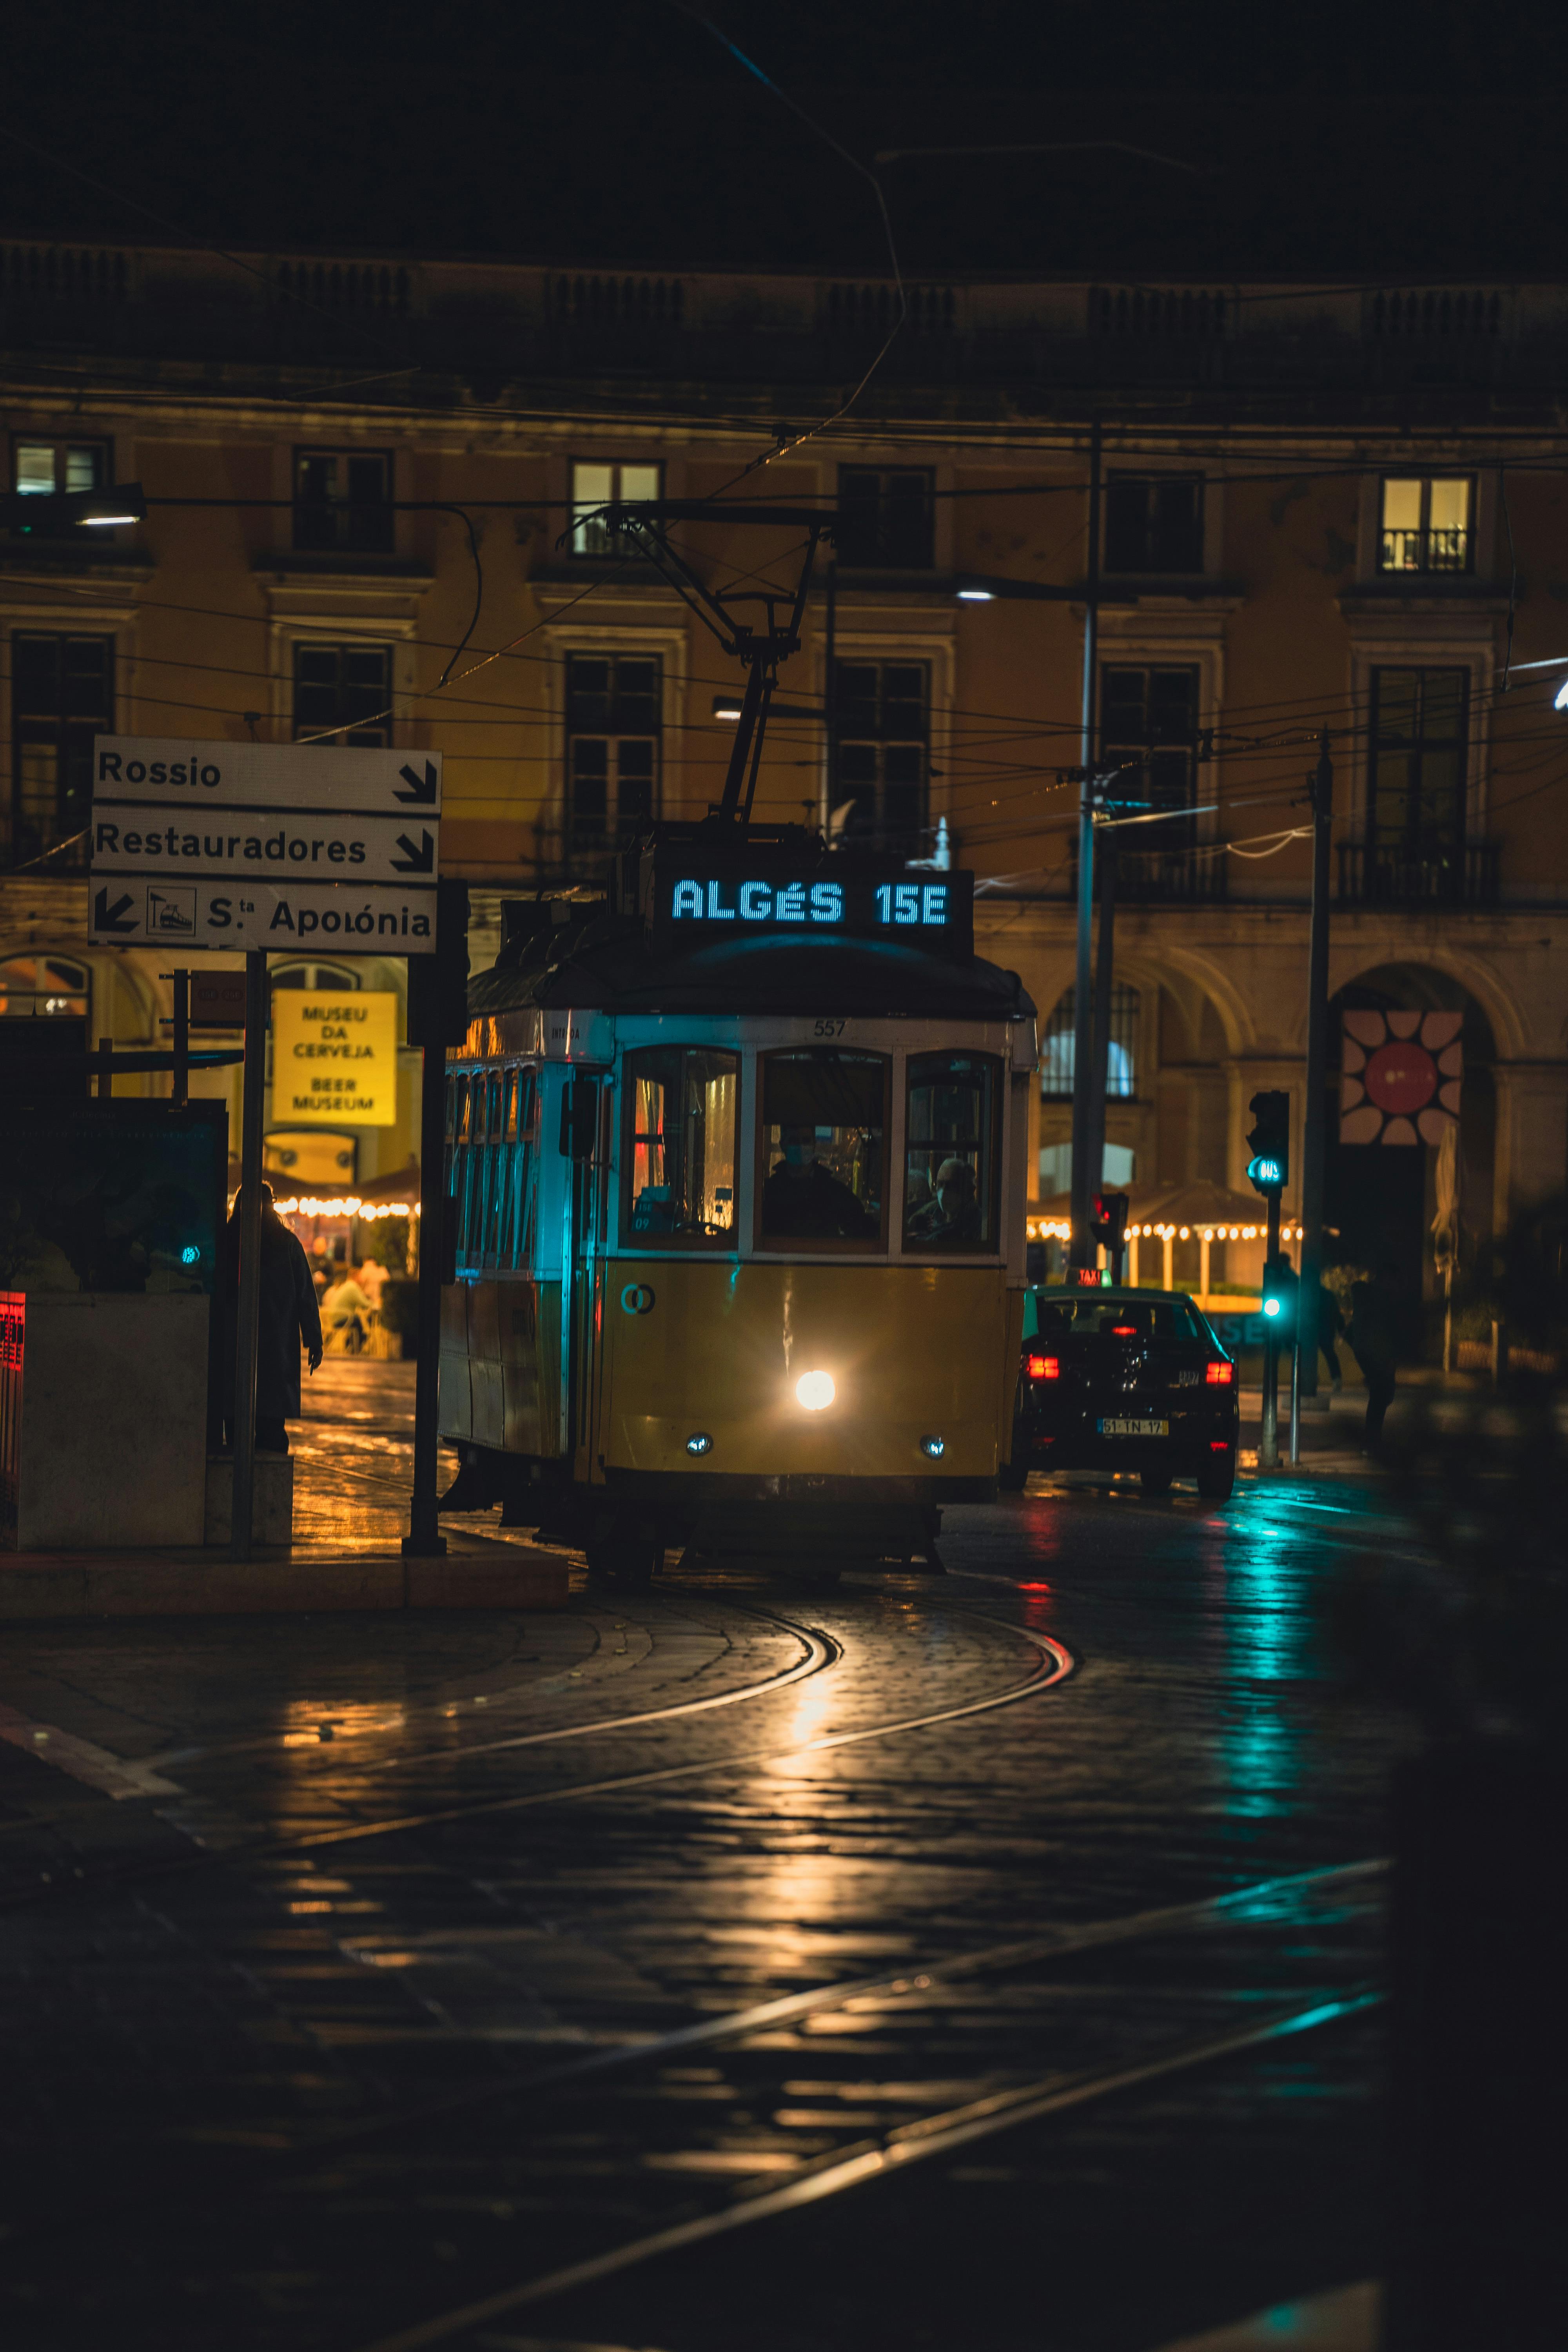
(681, 1107)
(950, 1152)
(822, 1118)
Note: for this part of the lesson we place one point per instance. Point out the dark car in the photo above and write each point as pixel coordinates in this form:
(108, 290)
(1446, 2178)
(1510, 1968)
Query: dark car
(1125, 1380)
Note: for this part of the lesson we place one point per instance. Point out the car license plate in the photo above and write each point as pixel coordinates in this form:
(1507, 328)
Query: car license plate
(1135, 1428)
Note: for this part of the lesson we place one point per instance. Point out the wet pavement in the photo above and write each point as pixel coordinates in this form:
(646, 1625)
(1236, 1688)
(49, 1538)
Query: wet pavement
(988, 1960)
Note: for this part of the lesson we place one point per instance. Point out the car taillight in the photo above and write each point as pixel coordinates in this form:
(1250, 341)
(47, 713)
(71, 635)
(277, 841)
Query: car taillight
(1124, 1330)
(1220, 1376)
(1043, 1368)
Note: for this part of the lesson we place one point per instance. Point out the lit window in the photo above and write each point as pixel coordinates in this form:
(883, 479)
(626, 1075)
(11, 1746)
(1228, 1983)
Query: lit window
(594, 486)
(1427, 523)
(682, 1106)
(950, 1137)
(1057, 1055)
(824, 1116)
(44, 469)
(43, 985)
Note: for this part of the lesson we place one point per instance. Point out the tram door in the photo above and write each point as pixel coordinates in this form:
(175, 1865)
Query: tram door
(583, 1126)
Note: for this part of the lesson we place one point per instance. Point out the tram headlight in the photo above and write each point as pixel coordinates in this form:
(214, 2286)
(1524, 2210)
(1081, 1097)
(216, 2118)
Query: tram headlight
(815, 1391)
(934, 1446)
(699, 1442)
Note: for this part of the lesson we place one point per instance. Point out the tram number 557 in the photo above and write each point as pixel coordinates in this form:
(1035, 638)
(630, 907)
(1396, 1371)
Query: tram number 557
(827, 1028)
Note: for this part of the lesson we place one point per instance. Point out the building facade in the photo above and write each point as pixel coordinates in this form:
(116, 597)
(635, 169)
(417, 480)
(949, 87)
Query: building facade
(376, 492)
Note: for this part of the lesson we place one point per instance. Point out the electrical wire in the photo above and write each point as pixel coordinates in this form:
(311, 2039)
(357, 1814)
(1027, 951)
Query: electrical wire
(786, 442)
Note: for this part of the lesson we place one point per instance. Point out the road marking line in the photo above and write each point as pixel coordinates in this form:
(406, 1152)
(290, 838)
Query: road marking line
(95, 1766)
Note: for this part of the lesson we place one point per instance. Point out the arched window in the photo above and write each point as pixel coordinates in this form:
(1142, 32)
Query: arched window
(1057, 1049)
(313, 975)
(34, 985)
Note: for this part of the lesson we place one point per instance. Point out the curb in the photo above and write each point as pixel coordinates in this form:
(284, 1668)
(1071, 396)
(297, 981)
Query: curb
(45, 1587)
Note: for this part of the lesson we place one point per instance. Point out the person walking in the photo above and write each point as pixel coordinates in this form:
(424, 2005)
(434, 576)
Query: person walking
(1373, 1336)
(1331, 1328)
(287, 1318)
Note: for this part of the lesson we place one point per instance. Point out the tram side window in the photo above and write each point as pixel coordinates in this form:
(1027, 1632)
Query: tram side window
(682, 1103)
(950, 1152)
(519, 1154)
(824, 1116)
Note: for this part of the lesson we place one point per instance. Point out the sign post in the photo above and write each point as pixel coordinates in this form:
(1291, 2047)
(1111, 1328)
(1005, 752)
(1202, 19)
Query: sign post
(261, 847)
(243, 1427)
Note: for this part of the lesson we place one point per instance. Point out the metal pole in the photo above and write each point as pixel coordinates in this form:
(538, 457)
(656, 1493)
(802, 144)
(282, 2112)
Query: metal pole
(425, 1539)
(182, 1083)
(1268, 1451)
(1100, 1072)
(249, 1320)
(1313, 1124)
(1296, 1400)
(1085, 1177)
(830, 701)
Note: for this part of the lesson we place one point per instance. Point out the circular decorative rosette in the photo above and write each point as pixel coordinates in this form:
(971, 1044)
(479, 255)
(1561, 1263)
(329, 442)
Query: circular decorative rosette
(1400, 1075)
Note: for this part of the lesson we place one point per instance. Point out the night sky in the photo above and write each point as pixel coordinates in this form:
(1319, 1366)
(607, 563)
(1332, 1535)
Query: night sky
(1361, 139)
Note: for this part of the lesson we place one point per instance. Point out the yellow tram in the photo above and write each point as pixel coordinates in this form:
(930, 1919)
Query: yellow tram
(737, 1156)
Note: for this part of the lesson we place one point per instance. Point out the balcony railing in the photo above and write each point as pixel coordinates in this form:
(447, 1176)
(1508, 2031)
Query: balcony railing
(1444, 550)
(1171, 877)
(1464, 874)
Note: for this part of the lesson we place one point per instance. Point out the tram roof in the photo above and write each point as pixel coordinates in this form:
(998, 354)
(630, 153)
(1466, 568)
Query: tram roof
(604, 961)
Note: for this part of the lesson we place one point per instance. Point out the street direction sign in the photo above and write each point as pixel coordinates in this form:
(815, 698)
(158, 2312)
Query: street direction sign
(244, 845)
(247, 845)
(379, 920)
(157, 771)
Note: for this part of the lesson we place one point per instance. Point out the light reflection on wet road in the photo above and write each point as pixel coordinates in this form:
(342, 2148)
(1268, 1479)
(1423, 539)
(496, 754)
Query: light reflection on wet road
(186, 2022)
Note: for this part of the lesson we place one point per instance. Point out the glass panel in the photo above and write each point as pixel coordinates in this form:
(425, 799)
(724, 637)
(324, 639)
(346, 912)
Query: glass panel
(682, 1102)
(1177, 525)
(1087, 1315)
(1400, 549)
(42, 985)
(1126, 523)
(36, 469)
(84, 469)
(592, 486)
(640, 482)
(1448, 526)
(822, 1146)
(950, 1172)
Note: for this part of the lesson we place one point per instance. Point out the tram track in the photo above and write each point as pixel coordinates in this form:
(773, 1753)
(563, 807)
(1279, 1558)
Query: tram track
(925, 2139)
(1054, 1665)
(819, 1653)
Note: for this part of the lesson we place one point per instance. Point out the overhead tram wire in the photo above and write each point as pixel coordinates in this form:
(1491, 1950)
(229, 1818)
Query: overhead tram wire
(787, 444)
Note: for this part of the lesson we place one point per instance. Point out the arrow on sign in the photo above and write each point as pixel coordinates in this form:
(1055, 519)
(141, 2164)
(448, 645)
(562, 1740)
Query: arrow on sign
(418, 861)
(106, 918)
(423, 793)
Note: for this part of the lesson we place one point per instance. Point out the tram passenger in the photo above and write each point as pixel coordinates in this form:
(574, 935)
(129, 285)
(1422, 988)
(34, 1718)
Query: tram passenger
(803, 1201)
(951, 1218)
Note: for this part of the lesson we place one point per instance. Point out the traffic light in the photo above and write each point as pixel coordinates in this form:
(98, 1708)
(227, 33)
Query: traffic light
(1107, 1224)
(438, 984)
(1279, 1296)
(1269, 1169)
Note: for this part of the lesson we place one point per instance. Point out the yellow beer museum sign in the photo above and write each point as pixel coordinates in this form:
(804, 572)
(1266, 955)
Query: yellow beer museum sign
(334, 1058)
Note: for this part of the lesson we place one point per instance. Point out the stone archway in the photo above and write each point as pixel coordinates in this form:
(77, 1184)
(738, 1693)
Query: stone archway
(1380, 1199)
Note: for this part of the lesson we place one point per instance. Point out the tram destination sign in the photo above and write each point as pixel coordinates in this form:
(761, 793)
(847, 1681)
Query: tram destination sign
(698, 896)
(222, 845)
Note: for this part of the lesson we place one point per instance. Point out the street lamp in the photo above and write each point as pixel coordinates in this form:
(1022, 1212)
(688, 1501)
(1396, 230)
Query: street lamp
(104, 509)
